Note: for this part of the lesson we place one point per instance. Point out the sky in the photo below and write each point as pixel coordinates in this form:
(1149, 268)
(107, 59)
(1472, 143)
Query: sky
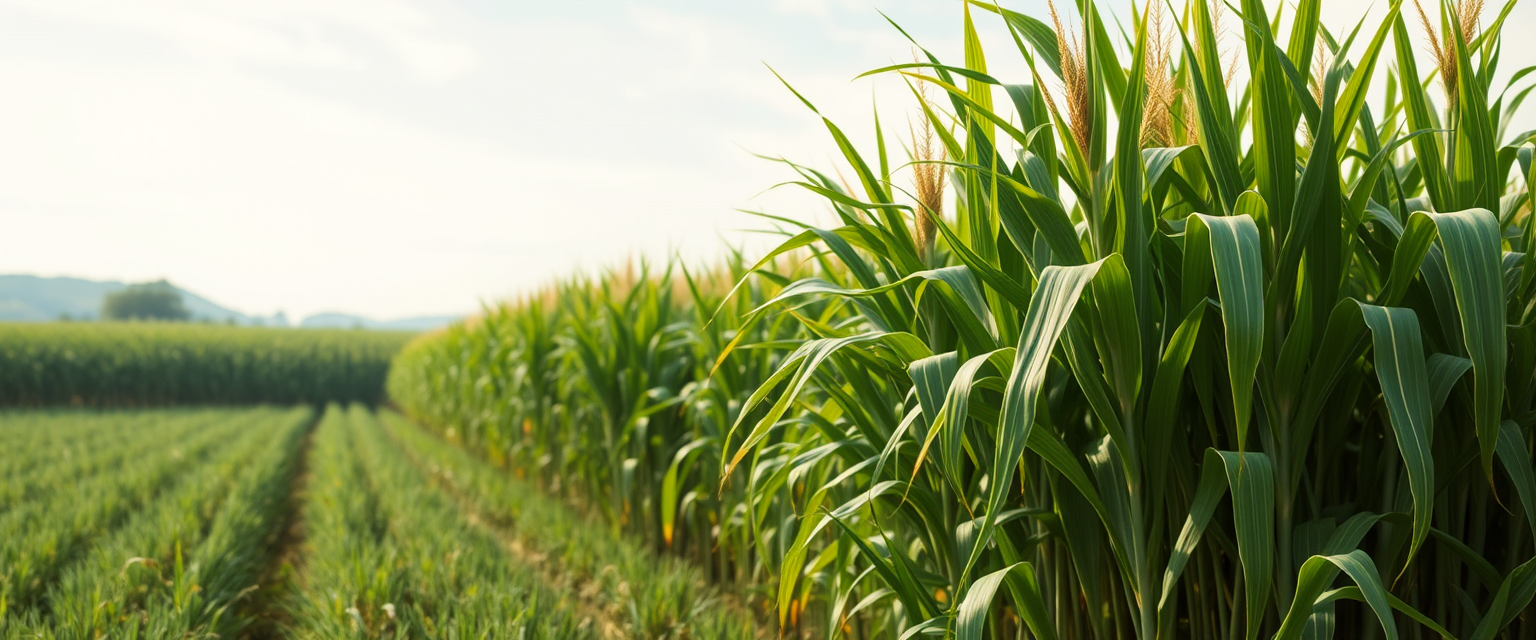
(397, 158)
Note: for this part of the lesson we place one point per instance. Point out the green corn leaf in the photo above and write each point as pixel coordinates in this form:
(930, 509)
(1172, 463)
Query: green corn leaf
(1039, 34)
(1513, 596)
(816, 520)
(1113, 293)
(1318, 572)
(1471, 242)
(971, 618)
(1517, 463)
(1217, 138)
(895, 571)
(1419, 116)
(1474, 175)
(1304, 28)
(1163, 401)
(1049, 310)
(980, 93)
(1352, 100)
(670, 488)
(1405, 389)
(1251, 479)
(1354, 593)
(1444, 372)
(1274, 152)
(1230, 245)
(798, 368)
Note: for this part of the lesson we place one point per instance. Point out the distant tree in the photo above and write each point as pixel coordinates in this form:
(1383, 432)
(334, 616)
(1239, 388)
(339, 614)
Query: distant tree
(147, 301)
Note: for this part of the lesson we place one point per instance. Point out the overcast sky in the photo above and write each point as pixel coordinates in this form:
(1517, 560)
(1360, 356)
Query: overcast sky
(396, 158)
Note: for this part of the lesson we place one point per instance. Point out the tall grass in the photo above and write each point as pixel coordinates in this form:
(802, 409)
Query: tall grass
(1189, 358)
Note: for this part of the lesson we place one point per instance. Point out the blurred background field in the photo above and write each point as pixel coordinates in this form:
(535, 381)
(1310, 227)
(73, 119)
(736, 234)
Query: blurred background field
(136, 364)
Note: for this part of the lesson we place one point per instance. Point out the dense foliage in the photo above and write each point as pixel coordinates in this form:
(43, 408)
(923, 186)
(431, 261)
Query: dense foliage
(596, 391)
(1191, 358)
(150, 364)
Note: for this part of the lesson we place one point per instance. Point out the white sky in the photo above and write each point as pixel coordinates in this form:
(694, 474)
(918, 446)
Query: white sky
(395, 158)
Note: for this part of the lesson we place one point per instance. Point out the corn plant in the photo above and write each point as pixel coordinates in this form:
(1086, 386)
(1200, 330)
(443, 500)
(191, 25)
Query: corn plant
(1268, 295)
(1189, 356)
(609, 391)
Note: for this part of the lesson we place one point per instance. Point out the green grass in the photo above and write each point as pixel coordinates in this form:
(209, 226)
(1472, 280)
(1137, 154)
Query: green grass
(1175, 356)
(151, 364)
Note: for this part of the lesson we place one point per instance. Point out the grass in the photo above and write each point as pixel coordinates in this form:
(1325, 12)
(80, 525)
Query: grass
(150, 364)
(1189, 357)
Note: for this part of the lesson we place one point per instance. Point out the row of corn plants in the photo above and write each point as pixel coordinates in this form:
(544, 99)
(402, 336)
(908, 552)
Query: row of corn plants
(646, 596)
(134, 365)
(44, 533)
(1127, 349)
(387, 555)
(605, 391)
(43, 460)
(42, 437)
(178, 566)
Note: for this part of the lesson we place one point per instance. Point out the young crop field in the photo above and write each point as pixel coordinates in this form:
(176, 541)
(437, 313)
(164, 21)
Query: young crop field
(267, 523)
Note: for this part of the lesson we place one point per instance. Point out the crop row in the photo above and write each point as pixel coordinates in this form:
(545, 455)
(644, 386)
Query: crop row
(163, 549)
(133, 364)
(651, 597)
(387, 555)
(41, 467)
(41, 437)
(176, 528)
(39, 538)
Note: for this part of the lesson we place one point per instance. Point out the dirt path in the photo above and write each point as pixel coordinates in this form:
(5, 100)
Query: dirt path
(587, 593)
(284, 553)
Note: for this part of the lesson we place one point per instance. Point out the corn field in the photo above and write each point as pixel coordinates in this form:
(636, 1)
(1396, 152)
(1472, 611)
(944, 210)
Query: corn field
(132, 364)
(1122, 349)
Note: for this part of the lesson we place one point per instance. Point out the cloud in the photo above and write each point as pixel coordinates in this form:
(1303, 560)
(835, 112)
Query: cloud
(398, 158)
(337, 35)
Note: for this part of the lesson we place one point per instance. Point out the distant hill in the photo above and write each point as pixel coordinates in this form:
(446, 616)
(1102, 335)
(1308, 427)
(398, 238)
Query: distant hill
(347, 321)
(26, 298)
(34, 299)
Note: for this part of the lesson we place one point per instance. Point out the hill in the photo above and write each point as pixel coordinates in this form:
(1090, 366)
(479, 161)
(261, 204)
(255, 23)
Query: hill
(348, 321)
(26, 298)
